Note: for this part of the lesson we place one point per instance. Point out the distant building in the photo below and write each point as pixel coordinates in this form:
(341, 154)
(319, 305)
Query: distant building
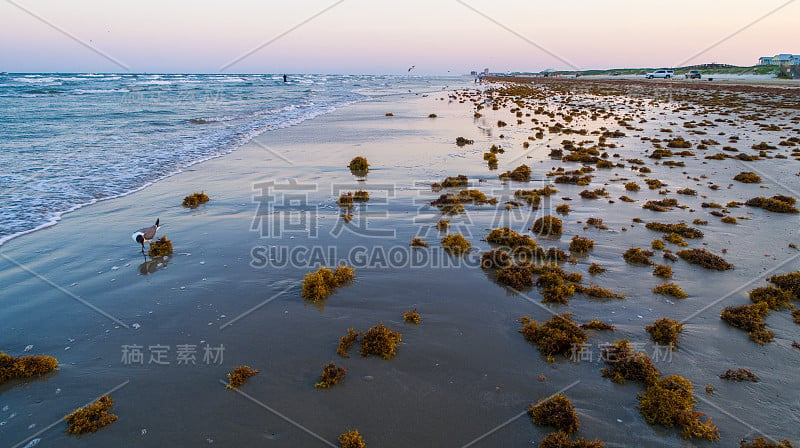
(780, 59)
(486, 72)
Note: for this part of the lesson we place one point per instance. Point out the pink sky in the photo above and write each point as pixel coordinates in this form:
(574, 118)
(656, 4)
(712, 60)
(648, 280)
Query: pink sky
(369, 36)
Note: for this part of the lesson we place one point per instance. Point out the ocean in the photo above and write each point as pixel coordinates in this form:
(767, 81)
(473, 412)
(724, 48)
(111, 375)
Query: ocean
(70, 140)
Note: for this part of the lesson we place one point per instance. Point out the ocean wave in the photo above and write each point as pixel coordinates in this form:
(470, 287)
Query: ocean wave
(86, 91)
(36, 80)
(43, 92)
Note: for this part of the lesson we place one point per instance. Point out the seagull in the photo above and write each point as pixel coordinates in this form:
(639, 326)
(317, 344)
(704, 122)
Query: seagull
(146, 234)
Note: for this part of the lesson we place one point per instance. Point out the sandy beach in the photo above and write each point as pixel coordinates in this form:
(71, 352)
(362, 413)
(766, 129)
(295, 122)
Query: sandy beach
(464, 376)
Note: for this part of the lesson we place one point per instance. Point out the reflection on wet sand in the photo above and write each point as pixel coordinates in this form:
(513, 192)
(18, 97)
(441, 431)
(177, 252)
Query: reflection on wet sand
(153, 265)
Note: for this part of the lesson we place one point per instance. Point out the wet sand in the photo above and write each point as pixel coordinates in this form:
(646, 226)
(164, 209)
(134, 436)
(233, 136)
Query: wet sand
(459, 374)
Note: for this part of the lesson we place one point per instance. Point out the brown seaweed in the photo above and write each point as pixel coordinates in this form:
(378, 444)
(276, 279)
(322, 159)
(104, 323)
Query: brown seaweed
(239, 375)
(559, 335)
(351, 439)
(380, 341)
(195, 199)
(556, 411)
(331, 374)
(665, 331)
(705, 259)
(91, 417)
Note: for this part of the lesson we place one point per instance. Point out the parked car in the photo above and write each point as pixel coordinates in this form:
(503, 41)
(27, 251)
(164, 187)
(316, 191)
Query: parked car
(693, 74)
(666, 74)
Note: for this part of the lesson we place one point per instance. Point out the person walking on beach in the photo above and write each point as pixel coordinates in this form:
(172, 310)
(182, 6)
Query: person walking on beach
(284, 78)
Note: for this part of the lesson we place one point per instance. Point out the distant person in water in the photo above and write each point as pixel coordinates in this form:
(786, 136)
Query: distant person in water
(285, 79)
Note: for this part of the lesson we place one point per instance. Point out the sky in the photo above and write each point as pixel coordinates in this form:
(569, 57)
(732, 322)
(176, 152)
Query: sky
(439, 37)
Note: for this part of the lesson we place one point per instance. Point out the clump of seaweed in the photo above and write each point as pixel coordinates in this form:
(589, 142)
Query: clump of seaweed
(496, 259)
(775, 298)
(637, 255)
(749, 318)
(443, 225)
(331, 374)
(680, 228)
(739, 375)
(461, 141)
(747, 177)
(91, 417)
(788, 282)
(560, 439)
(594, 194)
(239, 375)
(507, 237)
(547, 225)
(347, 341)
(670, 289)
(665, 331)
(417, 242)
(322, 283)
(761, 442)
(351, 439)
(516, 276)
(345, 200)
(25, 366)
(558, 293)
(380, 341)
(596, 324)
(456, 244)
(598, 292)
(361, 196)
(678, 142)
(653, 184)
(451, 182)
(597, 223)
(563, 209)
(580, 244)
(626, 364)
(632, 186)
(161, 247)
(595, 269)
(490, 159)
(657, 244)
(662, 205)
(412, 316)
(521, 173)
(729, 220)
(705, 259)
(195, 199)
(662, 270)
(674, 238)
(777, 204)
(359, 166)
(669, 402)
(559, 335)
(556, 411)
(473, 196)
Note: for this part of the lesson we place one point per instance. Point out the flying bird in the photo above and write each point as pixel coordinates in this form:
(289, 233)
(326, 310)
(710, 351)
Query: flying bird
(146, 234)
(412, 68)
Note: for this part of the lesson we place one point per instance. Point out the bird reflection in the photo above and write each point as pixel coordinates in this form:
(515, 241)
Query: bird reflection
(154, 265)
